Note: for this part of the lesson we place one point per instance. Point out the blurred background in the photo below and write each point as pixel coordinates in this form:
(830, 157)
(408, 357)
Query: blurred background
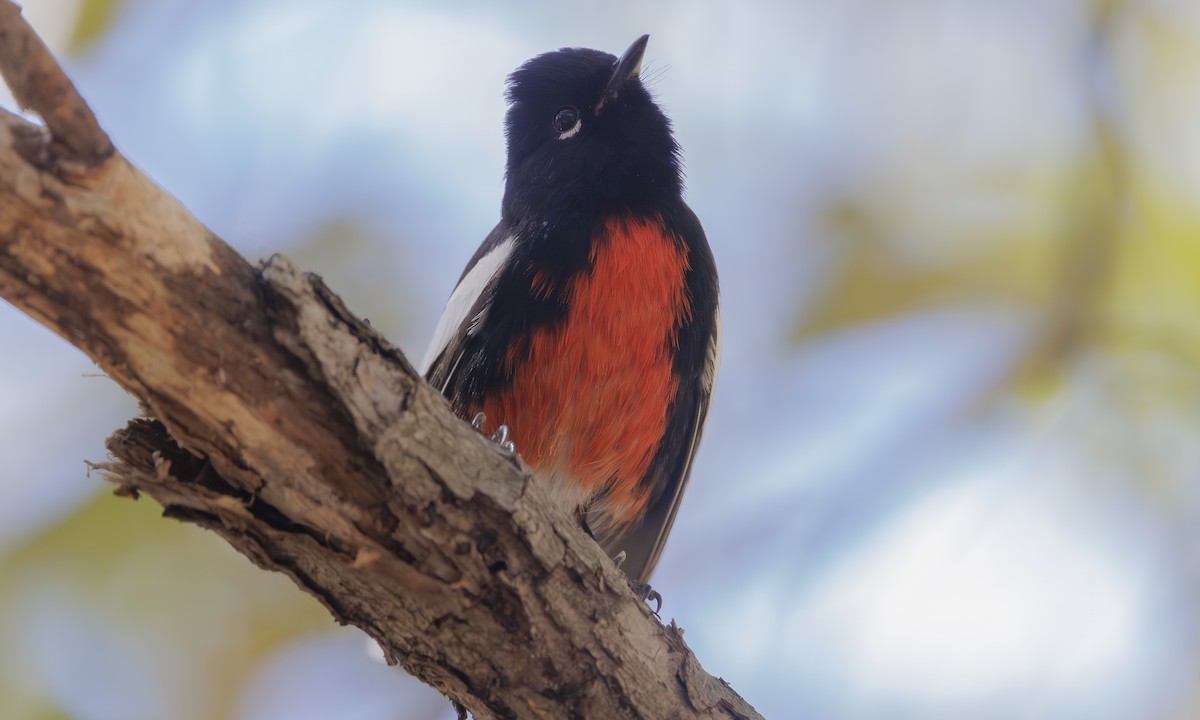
(951, 469)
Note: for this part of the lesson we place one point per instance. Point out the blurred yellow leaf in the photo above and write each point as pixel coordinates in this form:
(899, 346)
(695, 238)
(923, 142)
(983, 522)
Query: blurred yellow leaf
(95, 19)
(1155, 300)
(872, 280)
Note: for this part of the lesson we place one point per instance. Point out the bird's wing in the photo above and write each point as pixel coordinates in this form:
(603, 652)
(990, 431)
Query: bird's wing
(467, 309)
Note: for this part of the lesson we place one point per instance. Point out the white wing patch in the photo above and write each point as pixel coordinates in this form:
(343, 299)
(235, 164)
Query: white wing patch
(712, 362)
(463, 299)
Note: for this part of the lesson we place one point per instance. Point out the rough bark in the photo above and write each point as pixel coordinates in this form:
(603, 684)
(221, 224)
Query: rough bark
(297, 433)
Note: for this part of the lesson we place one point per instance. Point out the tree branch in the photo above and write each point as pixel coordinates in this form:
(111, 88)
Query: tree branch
(310, 444)
(39, 85)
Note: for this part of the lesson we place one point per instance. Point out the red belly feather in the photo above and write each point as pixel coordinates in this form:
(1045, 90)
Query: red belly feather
(589, 398)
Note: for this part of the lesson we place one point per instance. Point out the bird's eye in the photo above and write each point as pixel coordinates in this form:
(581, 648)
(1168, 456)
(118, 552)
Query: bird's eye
(566, 122)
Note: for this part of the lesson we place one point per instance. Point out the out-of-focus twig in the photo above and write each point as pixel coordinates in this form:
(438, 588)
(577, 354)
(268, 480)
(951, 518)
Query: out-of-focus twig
(39, 85)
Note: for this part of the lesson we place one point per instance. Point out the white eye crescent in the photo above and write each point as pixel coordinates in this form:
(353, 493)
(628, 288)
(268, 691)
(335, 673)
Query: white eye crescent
(567, 122)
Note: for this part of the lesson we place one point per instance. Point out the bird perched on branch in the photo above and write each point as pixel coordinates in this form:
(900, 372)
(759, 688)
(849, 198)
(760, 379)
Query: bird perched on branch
(587, 322)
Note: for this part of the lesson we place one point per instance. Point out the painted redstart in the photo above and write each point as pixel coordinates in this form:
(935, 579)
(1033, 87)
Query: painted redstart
(587, 322)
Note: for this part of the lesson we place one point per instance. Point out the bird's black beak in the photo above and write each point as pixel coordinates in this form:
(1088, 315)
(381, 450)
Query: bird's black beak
(627, 67)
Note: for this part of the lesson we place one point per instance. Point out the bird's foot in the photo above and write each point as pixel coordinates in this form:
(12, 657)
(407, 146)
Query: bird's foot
(500, 437)
(646, 593)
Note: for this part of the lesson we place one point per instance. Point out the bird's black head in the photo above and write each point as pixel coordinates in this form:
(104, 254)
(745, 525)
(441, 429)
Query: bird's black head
(583, 132)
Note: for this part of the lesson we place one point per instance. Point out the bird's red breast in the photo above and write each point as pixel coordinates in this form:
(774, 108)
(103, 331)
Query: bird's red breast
(590, 395)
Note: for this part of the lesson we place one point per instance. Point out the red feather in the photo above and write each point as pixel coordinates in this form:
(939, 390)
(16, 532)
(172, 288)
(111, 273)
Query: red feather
(590, 395)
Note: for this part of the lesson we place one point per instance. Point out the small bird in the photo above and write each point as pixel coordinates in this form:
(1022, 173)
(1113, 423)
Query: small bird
(587, 322)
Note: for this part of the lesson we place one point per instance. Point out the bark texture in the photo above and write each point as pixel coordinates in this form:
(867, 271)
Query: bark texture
(297, 433)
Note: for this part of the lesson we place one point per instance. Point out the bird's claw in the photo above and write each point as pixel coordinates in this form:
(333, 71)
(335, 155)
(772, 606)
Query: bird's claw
(646, 593)
(500, 437)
